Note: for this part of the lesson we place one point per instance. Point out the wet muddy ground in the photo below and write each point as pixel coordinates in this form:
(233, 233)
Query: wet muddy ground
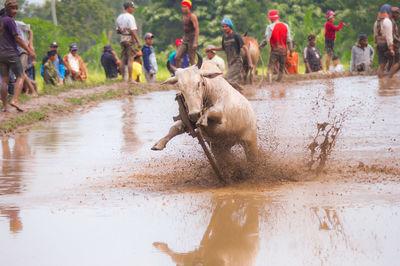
(87, 190)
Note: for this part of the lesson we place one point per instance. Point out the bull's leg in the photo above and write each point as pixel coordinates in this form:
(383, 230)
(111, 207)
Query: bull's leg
(175, 130)
(224, 158)
(251, 150)
(213, 114)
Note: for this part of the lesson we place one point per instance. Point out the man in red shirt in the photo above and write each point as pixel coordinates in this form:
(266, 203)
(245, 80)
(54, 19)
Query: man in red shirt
(278, 35)
(330, 35)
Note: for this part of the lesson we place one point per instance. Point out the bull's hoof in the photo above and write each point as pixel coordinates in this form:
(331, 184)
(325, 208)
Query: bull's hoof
(158, 147)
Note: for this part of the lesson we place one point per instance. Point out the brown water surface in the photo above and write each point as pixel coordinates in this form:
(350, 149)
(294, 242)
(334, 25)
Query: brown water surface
(87, 190)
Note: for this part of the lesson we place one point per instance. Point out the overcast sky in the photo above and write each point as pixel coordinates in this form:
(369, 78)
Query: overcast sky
(36, 1)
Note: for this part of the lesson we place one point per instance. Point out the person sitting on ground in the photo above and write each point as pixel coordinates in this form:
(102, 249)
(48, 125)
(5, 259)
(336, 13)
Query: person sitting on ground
(137, 67)
(312, 56)
(362, 55)
(59, 63)
(337, 67)
(292, 60)
(212, 56)
(149, 58)
(383, 38)
(50, 74)
(110, 62)
(172, 56)
(75, 68)
(330, 35)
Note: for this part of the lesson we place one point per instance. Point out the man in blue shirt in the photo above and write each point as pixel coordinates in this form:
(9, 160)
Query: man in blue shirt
(59, 63)
(149, 58)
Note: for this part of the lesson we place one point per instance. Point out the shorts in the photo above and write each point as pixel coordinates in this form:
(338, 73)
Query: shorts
(186, 48)
(128, 53)
(383, 54)
(8, 63)
(276, 60)
(329, 46)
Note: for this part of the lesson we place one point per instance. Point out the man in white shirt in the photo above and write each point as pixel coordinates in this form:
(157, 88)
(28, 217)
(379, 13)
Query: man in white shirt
(211, 55)
(362, 55)
(383, 37)
(126, 26)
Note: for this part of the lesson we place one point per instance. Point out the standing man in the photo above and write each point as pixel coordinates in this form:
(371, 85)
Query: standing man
(191, 36)
(330, 36)
(396, 41)
(58, 63)
(149, 59)
(126, 26)
(9, 54)
(231, 44)
(362, 55)
(312, 56)
(278, 35)
(211, 55)
(383, 37)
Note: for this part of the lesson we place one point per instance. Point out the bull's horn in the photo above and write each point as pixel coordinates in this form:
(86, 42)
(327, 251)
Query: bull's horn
(171, 68)
(199, 60)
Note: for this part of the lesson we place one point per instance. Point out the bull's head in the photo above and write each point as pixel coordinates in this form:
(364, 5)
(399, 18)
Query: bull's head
(190, 83)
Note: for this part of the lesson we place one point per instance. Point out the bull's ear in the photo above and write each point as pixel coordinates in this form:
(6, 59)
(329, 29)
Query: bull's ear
(171, 81)
(210, 74)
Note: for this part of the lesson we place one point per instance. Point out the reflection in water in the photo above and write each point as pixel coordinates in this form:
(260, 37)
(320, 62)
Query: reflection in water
(389, 87)
(131, 140)
(231, 237)
(10, 180)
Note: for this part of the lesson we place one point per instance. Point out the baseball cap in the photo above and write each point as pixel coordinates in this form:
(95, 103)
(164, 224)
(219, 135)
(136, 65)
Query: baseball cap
(53, 44)
(211, 46)
(148, 35)
(108, 48)
(363, 36)
(73, 47)
(273, 14)
(51, 53)
(130, 4)
(178, 42)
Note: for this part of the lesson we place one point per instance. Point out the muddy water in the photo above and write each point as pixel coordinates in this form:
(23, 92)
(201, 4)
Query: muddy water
(87, 190)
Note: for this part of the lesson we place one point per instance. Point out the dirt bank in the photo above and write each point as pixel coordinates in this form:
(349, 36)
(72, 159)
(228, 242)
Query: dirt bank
(48, 107)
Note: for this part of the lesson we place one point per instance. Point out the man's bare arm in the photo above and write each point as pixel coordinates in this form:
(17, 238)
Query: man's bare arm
(25, 47)
(195, 22)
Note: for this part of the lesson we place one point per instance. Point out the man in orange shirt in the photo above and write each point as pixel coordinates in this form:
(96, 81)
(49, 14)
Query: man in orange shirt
(292, 60)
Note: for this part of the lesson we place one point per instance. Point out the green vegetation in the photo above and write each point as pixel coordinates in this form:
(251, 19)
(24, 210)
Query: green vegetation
(91, 23)
(26, 118)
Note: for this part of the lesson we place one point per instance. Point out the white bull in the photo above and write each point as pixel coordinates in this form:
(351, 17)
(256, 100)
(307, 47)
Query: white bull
(224, 116)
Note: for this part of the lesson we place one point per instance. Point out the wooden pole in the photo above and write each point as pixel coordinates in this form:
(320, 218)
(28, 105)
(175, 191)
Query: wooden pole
(197, 134)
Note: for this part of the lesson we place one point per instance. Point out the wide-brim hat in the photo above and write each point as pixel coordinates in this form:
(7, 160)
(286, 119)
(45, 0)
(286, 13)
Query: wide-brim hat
(273, 14)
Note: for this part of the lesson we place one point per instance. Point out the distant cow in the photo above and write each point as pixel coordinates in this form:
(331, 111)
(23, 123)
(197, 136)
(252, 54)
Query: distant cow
(224, 116)
(252, 46)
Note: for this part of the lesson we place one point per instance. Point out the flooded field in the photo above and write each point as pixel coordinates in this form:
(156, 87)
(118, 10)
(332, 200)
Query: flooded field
(87, 190)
